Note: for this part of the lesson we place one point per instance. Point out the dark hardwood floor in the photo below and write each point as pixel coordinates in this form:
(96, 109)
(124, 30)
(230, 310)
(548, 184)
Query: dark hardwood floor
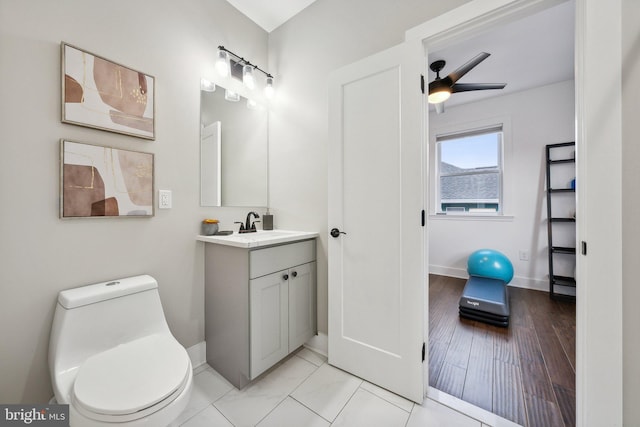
(525, 373)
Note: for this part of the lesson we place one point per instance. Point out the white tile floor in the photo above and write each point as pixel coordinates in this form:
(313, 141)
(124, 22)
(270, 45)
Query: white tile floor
(305, 391)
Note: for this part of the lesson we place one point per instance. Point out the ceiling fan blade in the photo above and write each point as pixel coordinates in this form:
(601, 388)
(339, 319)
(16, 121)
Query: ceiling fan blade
(439, 107)
(461, 71)
(466, 87)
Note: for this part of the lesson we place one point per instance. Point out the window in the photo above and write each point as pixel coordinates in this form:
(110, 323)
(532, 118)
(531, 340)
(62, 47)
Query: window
(469, 171)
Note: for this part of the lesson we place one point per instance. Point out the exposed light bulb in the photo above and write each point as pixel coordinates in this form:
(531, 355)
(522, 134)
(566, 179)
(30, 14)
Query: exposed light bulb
(222, 63)
(269, 91)
(247, 77)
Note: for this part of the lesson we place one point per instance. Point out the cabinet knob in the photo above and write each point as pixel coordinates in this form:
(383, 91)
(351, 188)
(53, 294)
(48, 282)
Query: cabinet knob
(294, 274)
(285, 277)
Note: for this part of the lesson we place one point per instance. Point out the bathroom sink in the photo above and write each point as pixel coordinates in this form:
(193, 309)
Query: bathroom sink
(259, 238)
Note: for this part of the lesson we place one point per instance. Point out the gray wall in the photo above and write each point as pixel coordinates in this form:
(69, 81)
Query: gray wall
(325, 36)
(41, 254)
(631, 207)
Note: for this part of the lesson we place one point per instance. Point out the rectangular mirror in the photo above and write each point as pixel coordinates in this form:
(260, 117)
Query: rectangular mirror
(233, 149)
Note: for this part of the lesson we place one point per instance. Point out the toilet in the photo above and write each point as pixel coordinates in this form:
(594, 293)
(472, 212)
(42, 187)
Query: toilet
(113, 359)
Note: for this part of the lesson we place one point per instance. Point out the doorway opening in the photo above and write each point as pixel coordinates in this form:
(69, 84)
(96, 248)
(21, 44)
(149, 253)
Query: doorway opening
(525, 373)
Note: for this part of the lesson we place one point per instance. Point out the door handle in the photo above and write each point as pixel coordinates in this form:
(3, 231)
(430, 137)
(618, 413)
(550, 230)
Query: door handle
(285, 277)
(294, 274)
(335, 232)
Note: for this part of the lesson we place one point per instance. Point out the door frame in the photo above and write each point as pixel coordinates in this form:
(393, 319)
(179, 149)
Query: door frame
(599, 376)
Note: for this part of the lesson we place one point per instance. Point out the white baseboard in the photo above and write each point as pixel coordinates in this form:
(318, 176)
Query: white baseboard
(528, 283)
(319, 343)
(440, 270)
(198, 354)
(516, 282)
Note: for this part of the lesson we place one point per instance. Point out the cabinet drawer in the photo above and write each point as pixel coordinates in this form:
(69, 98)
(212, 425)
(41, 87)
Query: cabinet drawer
(275, 258)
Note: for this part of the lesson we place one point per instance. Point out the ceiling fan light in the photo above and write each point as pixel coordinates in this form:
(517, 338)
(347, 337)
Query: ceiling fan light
(440, 96)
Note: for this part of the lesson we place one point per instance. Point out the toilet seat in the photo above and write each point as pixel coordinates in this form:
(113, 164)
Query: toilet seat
(132, 380)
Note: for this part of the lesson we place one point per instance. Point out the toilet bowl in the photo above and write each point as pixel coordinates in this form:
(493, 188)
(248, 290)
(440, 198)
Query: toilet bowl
(113, 359)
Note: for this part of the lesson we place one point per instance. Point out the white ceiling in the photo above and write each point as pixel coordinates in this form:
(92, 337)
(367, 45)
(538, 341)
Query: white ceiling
(531, 52)
(534, 51)
(270, 14)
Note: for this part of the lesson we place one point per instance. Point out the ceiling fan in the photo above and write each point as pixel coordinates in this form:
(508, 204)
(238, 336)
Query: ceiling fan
(441, 88)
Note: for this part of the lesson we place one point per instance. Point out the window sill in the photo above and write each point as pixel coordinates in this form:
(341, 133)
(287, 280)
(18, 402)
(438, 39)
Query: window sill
(472, 217)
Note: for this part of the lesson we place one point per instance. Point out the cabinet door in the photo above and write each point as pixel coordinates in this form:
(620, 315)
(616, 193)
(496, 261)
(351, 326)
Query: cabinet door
(302, 304)
(269, 300)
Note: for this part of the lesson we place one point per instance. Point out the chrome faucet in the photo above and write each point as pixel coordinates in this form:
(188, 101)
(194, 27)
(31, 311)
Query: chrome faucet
(248, 226)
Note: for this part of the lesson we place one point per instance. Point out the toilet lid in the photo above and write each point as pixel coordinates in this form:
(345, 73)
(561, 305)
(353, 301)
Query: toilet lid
(133, 376)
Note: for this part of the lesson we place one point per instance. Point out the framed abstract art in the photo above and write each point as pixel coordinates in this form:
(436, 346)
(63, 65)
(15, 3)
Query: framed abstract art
(97, 181)
(102, 94)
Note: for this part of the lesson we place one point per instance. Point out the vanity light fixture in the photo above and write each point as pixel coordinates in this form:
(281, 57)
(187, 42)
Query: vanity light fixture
(269, 91)
(224, 64)
(247, 76)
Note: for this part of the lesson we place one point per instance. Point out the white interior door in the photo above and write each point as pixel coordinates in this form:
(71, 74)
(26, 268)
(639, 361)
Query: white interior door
(376, 197)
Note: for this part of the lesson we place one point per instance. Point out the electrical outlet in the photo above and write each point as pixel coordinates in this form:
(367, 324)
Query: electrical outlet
(164, 199)
(524, 255)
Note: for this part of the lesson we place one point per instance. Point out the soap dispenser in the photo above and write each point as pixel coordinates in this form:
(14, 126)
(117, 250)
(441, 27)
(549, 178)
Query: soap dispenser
(267, 221)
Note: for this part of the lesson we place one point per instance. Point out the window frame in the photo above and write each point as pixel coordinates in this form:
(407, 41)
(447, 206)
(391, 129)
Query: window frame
(440, 138)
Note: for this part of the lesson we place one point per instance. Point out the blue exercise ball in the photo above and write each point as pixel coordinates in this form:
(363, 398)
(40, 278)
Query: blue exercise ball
(491, 264)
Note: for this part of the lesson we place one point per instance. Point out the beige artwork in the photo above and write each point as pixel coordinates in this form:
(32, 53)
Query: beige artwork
(102, 181)
(102, 94)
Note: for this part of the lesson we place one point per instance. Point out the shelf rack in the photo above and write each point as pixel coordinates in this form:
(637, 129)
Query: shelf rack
(556, 280)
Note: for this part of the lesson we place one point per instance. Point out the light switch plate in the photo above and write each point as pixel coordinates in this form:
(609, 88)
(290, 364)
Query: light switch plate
(164, 199)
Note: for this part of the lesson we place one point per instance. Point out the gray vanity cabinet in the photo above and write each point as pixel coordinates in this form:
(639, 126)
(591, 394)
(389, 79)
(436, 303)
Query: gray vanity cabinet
(302, 304)
(260, 305)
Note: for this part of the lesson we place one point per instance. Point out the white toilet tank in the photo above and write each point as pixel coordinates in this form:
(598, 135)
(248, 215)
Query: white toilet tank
(95, 318)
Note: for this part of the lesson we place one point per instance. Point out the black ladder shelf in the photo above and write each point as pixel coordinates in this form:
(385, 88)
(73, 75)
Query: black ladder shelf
(556, 280)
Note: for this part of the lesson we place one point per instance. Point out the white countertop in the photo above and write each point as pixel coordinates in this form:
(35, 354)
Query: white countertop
(259, 238)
